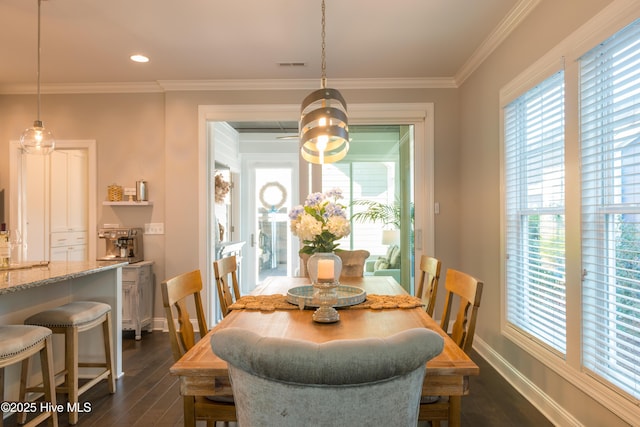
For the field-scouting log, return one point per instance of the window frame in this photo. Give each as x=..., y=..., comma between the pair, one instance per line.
x=610, y=173
x=516, y=229
x=566, y=54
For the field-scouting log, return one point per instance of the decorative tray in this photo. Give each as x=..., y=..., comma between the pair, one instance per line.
x=347, y=295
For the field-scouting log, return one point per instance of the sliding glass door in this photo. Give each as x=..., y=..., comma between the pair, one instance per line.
x=376, y=178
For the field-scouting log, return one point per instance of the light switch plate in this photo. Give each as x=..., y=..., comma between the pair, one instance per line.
x=154, y=228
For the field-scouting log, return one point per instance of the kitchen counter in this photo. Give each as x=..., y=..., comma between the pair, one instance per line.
x=27, y=290
x=31, y=275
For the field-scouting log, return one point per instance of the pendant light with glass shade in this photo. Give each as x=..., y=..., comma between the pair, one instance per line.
x=324, y=127
x=37, y=139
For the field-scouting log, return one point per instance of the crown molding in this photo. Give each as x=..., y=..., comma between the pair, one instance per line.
x=514, y=18
x=228, y=85
x=306, y=84
x=81, y=88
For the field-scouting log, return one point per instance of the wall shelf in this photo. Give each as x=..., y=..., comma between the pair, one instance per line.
x=105, y=203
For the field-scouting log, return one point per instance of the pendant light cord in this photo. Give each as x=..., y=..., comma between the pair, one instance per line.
x=38, y=65
x=324, y=61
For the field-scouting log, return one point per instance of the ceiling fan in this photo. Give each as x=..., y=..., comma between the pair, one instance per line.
x=289, y=137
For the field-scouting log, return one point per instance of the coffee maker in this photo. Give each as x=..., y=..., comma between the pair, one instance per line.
x=122, y=244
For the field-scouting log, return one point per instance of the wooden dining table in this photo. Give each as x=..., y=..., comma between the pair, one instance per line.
x=202, y=373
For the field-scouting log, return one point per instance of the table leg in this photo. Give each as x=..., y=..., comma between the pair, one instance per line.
x=455, y=407
x=189, y=411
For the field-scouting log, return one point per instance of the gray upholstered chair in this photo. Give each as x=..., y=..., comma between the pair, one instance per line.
x=286, y=382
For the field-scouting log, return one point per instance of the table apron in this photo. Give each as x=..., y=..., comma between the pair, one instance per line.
x=445, y=385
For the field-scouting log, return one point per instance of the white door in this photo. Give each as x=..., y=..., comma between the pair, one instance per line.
x=271, y=192
x=35, y=209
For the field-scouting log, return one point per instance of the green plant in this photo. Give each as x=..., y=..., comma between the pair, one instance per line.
x=386, y=213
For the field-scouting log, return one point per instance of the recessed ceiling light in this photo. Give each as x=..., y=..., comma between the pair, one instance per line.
x=139, y=58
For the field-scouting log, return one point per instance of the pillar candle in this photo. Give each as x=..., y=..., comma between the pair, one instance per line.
x=325, y=269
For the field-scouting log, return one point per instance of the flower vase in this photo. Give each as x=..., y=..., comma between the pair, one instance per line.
x=324, y=271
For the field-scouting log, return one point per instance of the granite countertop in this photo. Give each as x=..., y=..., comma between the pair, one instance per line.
x=23, y=277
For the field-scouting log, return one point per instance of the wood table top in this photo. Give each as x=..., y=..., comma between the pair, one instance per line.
x=354, y=323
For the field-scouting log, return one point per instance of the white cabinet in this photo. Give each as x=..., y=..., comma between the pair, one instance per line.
x=138, y=286
x=69, y=246
x=56, y=206
x=68, y=190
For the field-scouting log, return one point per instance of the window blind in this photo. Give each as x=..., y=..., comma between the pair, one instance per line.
x=535, y=227
x=610, y=138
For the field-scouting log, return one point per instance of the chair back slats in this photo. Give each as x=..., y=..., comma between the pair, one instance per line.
x=185, y=331
x=225, y=271
x=427, y=289
x=175, y=297
x=468, y=291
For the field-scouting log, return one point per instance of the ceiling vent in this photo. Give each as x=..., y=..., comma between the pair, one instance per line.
x=291, y=64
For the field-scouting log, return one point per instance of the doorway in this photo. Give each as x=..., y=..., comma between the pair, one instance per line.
x=271, y=240
x=54, y=197
x=418, y=116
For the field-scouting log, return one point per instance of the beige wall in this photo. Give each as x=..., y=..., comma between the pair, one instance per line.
x=155, y=137
x=479, y=163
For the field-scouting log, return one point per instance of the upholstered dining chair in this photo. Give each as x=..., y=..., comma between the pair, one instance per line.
x=226, y=273
x=468, y=291
x=352, y=262
x=353, y=382
x=427, y=288
x=177, y=294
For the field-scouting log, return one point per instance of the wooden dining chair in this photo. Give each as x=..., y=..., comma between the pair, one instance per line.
x=178, y=293
x=468, y=291
x=226, y=273
x=427, y=288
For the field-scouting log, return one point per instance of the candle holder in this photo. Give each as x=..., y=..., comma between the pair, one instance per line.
x=324, y=271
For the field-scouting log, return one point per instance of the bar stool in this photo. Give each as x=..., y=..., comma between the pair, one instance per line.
x=70, y=319
x=17, y=344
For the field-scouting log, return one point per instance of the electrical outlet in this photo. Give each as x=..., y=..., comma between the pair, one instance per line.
x=154, y=228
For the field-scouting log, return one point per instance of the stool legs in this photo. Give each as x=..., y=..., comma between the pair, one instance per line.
x=71, y=366
x=48, y=381
x=46, y=361
x=71, y=385
x=108, y=346
x=70, y=320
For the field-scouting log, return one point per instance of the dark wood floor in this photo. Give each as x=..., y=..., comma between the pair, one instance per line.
x=147, y=395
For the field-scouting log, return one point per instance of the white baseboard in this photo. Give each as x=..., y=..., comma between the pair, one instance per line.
x=160, y=324
x=536, y=396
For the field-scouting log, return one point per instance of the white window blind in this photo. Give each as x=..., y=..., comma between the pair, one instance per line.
x=534, y=195
x=610, y=138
